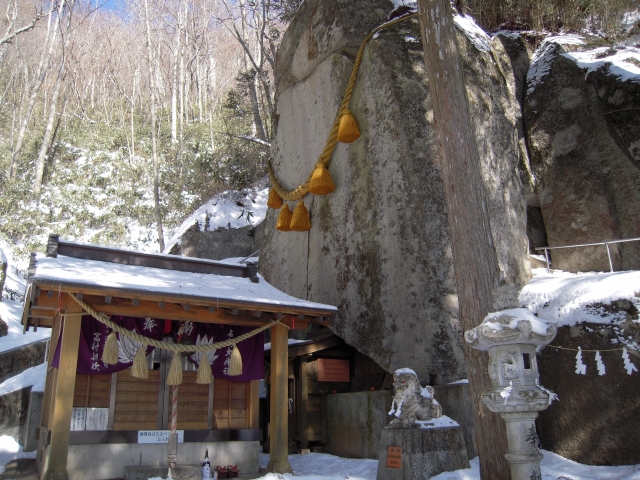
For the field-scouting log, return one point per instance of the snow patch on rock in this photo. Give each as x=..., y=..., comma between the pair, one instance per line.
x=474, y=33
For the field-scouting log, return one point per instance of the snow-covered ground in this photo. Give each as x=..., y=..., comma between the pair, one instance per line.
x=319, y=466
x=11, y=310
x=11, y=450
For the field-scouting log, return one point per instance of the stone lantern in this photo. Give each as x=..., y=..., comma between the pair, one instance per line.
x=511, y=338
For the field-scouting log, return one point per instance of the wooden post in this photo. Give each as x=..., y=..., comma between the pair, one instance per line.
x=279, y=402
x=63, y=401
x=474, y=257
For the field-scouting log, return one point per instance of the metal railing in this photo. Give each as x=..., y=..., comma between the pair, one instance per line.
x=606, y=244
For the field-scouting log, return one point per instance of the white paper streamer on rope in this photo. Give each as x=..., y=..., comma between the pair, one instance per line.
x=506, y=392
x=581, y=368
x=552, y=396
x=628, y=365
x=599, y=364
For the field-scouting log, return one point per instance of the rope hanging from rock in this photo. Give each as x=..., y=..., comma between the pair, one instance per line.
x=139, y=368
x=345, y=129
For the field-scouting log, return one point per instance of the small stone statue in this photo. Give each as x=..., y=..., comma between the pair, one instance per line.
x=411, y=402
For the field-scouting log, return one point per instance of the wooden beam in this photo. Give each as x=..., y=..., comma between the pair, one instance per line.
x=172, y=311
x=278, y=458
x=203, y=300
x=254, y=404
x=63, y=400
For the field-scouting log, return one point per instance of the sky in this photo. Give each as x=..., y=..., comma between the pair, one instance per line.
x=113, y=5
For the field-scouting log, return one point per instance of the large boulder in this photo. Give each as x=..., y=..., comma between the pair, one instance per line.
x=379, y=246
x=596, y=420
x=583, y=138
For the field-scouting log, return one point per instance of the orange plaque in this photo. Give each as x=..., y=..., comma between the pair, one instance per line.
x=333, y=370
x=394, y=457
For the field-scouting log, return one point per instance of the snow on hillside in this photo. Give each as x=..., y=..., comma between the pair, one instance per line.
x=622, y=62
x=11, y=310
x=572, y=298
x=230, y=209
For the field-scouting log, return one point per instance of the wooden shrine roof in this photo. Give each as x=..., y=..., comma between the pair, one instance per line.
x=123, y=282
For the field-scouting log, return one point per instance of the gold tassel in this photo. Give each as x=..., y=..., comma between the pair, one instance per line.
x=175, y=370
x=321, y=182
x=110, y=352
x=275, y=200
x=139, y=368
x=284, y=219
x=204, y=371
x=348, y=131
x=300, y=221
x=235, y=363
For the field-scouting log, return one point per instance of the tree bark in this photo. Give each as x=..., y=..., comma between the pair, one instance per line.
x=48, y=132
x=474, y=257
x=154, y=149
x=40, y=75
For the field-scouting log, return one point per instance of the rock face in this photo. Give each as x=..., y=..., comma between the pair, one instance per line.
x=584, y=143
x=218, y=244
x=595, y=422
x=379, y=247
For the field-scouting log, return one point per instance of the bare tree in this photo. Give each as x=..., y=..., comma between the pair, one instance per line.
x=40, y=75
x=151, y=64
x=11, y=15
x=46, y=140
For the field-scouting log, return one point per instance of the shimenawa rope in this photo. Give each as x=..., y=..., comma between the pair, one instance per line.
x=325, y=156
x=177, y=348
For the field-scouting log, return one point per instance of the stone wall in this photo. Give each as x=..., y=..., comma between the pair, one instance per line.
x=14, y=408
x=16, y=360
x=355, y=420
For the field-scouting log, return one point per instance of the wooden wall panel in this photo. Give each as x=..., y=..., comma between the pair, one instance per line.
x=92, y=391
x=136, y=401
x=231, y=403
x=193, y=403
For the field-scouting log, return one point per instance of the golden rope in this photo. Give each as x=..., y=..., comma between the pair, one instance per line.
x=327, y=153
x=101, y=317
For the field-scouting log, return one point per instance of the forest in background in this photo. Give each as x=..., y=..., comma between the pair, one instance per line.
x=115, y=126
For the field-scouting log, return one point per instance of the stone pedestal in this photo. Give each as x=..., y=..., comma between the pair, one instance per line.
x=425, y=452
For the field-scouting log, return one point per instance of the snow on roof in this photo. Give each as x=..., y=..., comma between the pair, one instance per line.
x=624, y=63
x=230, y=209
x=474, y=33
x=93, y=273
x=572, y=298
x=515, y=314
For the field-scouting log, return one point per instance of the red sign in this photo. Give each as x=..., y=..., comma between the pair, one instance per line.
x=394, y=457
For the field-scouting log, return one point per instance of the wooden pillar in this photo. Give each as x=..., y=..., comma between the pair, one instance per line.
x=60, y=423
x=279, y=402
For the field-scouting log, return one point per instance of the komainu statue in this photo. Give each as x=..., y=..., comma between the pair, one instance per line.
x=411, y=402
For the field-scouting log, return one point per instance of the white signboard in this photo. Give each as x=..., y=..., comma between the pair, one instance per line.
x=78, y=419
x=97, y=418
x=158, y=436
